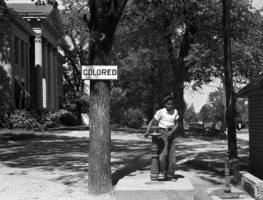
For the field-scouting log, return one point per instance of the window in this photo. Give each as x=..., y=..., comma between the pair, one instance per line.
x=16, y=50
x=19, y=94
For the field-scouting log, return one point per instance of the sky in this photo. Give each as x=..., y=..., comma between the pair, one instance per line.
x=199, y=98
x=257, y=3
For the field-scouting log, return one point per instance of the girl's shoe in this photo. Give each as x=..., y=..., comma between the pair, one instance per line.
x=161, y=176
x=171, y=178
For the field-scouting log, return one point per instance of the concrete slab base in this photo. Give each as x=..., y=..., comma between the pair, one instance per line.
x=140, y=187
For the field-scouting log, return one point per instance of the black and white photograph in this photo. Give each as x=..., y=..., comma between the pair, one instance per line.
x=131, y=99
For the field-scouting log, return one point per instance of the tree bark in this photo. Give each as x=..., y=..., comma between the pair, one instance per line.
x=99, y=174
x=176, y=86
x=178, y=70
x=156, y=82
x=179, y=91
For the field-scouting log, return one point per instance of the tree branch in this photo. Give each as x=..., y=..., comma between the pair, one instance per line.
x=113, y=5
x=122, y=4
x=68, y=79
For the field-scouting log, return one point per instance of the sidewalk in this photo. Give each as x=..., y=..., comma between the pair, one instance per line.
x=208, y=155
x=243, y=135
x=55, y=166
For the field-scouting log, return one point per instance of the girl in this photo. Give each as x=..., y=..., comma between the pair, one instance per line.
x=167, y=124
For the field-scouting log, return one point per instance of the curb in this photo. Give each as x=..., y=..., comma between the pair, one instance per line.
x=252, y=185
x=71, y=128
x=209, y=165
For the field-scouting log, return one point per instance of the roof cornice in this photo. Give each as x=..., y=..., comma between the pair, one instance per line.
x=19, y=21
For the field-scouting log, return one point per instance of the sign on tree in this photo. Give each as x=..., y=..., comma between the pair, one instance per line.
x=99, y=72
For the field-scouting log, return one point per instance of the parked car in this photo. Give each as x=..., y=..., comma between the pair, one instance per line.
x=197, y=127
x=209, y=131
x=212, y=130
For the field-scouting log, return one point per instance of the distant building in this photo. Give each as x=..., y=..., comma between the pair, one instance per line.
x=30, y=63
x=254, y=92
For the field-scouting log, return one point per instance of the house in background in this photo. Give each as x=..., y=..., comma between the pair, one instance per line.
x=30, y=63
x=254, y=92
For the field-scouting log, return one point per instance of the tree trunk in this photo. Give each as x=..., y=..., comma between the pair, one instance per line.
x=99, y=145
x=178, y=68
x=180, y=107
x=102, y=22
x=157, y=88
x=177, y=84
x=99, y=174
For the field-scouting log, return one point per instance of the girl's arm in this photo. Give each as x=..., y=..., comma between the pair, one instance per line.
x=174, y=128
x=149, y=127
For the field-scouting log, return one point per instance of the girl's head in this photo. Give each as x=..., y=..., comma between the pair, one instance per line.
x=168, y=103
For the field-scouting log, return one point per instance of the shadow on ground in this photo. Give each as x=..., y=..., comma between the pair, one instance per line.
x=50, y=157
x=134, y=156
x=48, y=152
x=69, y=155
x=202, y=152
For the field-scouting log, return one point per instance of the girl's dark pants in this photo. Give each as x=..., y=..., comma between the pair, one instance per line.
x=166, y=152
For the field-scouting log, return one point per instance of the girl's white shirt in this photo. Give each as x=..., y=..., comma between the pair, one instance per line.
x=165, y=119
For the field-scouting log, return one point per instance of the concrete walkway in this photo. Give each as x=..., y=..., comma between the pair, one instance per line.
x=243, y=135
x=55, y=165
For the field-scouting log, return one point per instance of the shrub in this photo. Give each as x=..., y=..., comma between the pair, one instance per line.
x=48, y=119
x=4, y=114
x=114, y=127
x=3, y=117
x=133, y=118
x=67, y=118
x=21, y=119
x=61, y=113
x=37, y=120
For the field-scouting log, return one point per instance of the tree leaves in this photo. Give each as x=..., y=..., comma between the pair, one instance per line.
x=141, y=50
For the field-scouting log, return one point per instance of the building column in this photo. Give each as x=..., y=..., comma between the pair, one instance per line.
x=51, y=76
x=55, y=78
x=39, y=71
x=46, y=75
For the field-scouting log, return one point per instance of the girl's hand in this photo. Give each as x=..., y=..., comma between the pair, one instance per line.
x=146, y=135
x=170, y=133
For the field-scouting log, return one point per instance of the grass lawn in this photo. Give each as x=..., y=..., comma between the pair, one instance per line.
x=18, y=134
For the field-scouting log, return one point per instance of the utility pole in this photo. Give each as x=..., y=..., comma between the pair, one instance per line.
x=229, y=93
